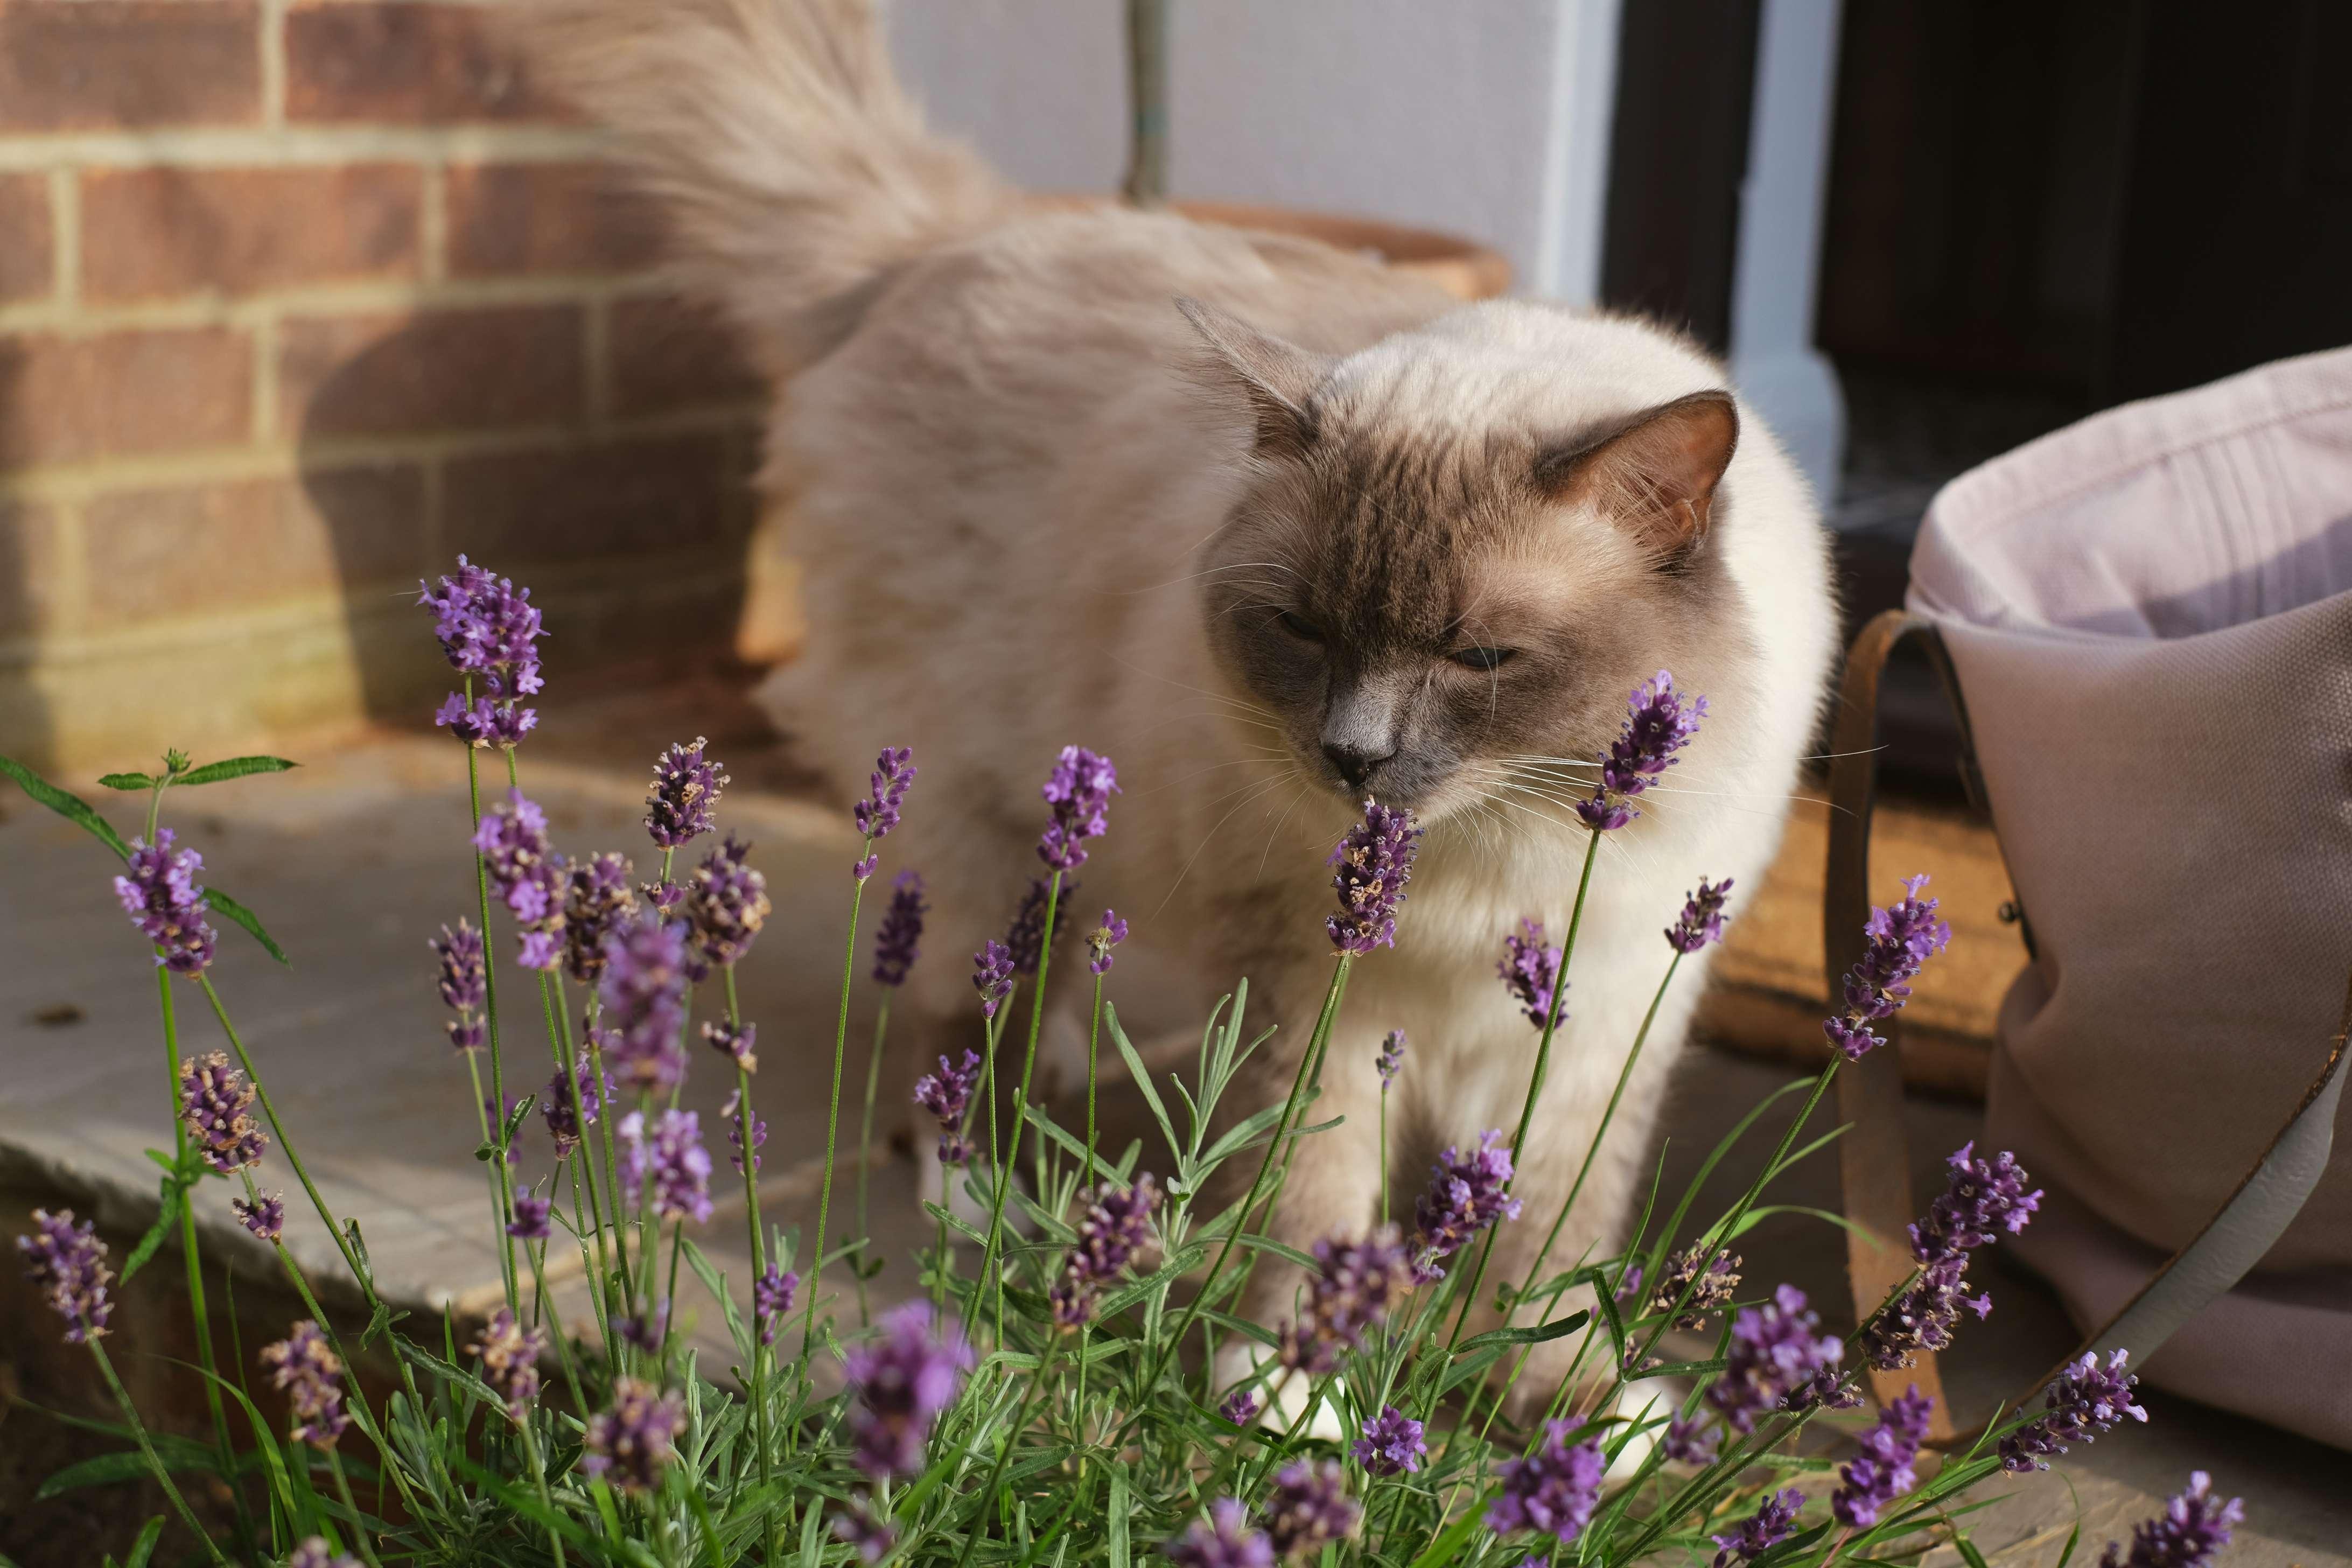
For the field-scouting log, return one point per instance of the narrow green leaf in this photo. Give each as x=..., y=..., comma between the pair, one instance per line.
x=1267, y=1244
x=1115, y=1547
x=1143, y=1076
x=1448, y=1545
x=66, y=804
x=1975, y=1558
x=144, y=1547
x=130, y=784
x=1532, y=1335
x=228, y=909
x=105, y=1469
x=2074, y=1539
x=233, y=768
x=166, y=1216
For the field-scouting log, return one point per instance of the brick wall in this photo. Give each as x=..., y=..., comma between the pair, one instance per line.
x=297, y=300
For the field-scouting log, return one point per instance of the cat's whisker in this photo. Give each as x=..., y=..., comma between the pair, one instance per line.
x=1275, y=831
x=1259, y=788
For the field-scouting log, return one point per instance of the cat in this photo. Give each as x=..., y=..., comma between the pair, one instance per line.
x=1277, y=528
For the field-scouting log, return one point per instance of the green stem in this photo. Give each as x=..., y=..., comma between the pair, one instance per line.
x=546, y=1502
x=585, y=1159
x=1094, y=1041
x=759, y=1263
x=493, y=1169
x=1384, y=1153
x=865, y=1148
x=1011, y=1160
x=490, y=990
x=546, y=1304
x=130, y=1415
x=833, y=1109
x=611, y=1171
x=343, y=1491
x=198, y=1305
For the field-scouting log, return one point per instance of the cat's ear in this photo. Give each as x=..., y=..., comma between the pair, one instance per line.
x=1655, y=474
x=1278, y=378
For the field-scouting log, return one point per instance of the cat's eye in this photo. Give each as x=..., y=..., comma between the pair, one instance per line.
x=1483, y=657
x=1299, y=626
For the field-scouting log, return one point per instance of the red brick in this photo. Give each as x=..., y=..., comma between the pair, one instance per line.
x=669, y=353
x=68, y=397
x=673, y=497
x=445, y=370
x=25, y=237
x=507, y=218
x=96, y=65
x=153, y=232
x=28, y=569
x=406, y=63
x=155, y=554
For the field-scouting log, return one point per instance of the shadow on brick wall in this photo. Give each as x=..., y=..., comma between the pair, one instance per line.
x=28, y=544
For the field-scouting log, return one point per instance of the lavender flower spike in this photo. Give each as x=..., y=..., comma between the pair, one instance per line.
x=1391, y=1442
x=903, y=1381
x=2193, y=1527
x=1710, y=1280
x=1114, y=1227
x=530, y=877
x=531, y=1214
x=1774, y=1520
x=464, y=984
x=727, y=903
x=877, y=814
x=309, y=1375
x=1702, y=918
x=1983, y=1199
x=1660, y=725
x=736, y=1042
x=1902, y=938
x=1308, y=1508
x=510, y=1355
x=1466, y=1193
x=1553, y=1490
x=1776, y=1356
x=1354, y=1285
x=687, y=784
x=264, y=1216
x=563, y=1125
x=1882, y=1471
x=1922, y=1317
x=731, y=1113
x=487, y=628
x=1079, y=789
x=2084, y=1401
x=772, y=1299
x=598, y=901
x=643, y=998
x=66, y=1262
x=1240, y=1407
x=160, y=894
x=946, y=1095
x=992, y=976
x=1102, y=939
x=1390, y=1061
x=314, y=1553
x=1375, y=861
x=1025, y=939
x=1688, y=1442
x=214, y=1100
x=632, y=1441
x=898, y=942
x=674, y=1157
x=1530, y=971
x=864, y=1528
x=1222, y=1540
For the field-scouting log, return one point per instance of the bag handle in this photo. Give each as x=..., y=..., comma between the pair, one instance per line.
x=1874, y=1158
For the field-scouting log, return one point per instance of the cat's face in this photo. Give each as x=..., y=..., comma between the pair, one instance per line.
x=1444, y=615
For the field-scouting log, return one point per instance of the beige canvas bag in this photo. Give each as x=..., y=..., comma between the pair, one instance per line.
x=2146, y=620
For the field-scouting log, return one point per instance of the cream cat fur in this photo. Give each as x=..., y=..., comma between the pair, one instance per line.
x=1020, y=477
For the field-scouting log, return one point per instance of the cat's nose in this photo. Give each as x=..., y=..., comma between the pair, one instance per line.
x=1355, y=763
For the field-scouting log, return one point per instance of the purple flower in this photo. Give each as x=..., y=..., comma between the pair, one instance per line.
x=1354, y=1285
x=1629, y=1282
x=1902, y=939
x=877, y=814
x=1531, y=971
x=1391, y=1060
x=1391, y=1442
x=1117, y=1224
x=871, y=1534
x=464, y=984
x=898, y=942
x=1222, y=1540
x=67, y=1263
x=648, y=1330
x=643, y=998
x=1702, y=918
x=1690, y=1442
x=1984, y=1198
x=1466, y=1193
x=308, y=1372
x=1079, y=789
x=1774, y=1520
x=530, y=877
x=946, y=1095
x=1240, y=1407
x=159, y=892
x=733, y=1041
x=903, y=1381
x=485, y=722
x=1309, y=1507
x=487, y=628
x=726, y=903
x=314, y=1553
x=1776, y=1355
x=1882, y=1471
x=265, y=1217
x=510, y=1355
x=1553, y=1490
x=687, y=784
x=676, y=1159
x=2192, y=1528
x=1102, y=939
x=992, y=976
x=565, y=1122
x=1659, y=726
x=1024, y=939
x=732, y=1111
x=1922, y=1317
x=530, y=1215
x=2084, y=1401
x=1375, y=861
x=597, y=900
x=214, y=1100
x=1711, y=1282
x=632, y=1442
x=772, y=1299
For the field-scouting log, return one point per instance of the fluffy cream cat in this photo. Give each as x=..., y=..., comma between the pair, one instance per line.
x=1275, y=528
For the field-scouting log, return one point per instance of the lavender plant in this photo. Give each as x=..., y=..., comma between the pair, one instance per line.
x=1043, y=1396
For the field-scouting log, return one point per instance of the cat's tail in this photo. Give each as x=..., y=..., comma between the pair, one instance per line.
x=796, y=175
